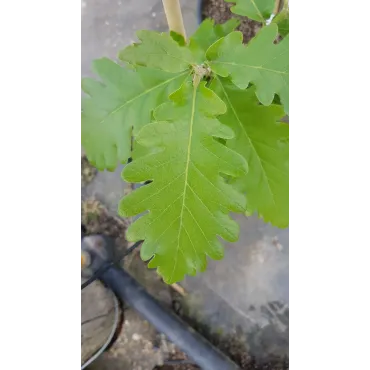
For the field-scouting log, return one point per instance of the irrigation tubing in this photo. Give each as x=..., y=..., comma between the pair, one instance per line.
x=106, y=266
x=128, y=290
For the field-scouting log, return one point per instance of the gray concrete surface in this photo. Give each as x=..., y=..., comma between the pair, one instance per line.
x=246, y=294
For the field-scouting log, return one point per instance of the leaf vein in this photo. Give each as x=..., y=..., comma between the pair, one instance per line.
x=141, y=95
x=249, y=66
x=249, y=139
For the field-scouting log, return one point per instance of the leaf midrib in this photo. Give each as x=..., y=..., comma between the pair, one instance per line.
x=173, y=56
x=249, y=139
x=141, y=95
x=186, y=176
x=249, y=66
x=258, y=11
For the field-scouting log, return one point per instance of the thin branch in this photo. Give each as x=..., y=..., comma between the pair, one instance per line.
x=277, y=6
x=179, y=289
x=175, y=22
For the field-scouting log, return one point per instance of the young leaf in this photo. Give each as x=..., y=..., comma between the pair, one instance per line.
x=208, y=33
x=159, y=51
x=178, y=38
x=258, y=10
x=261, y=62
x=282, y=20
x=225, y=28
x=188, y=201
x=263, y=142
x=124, y=99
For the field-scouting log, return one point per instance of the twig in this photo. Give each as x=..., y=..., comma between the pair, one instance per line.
x=179, y=289
x=277, y=6
x=175, y=22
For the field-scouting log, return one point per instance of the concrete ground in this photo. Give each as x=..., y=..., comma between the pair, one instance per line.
x=245, y=296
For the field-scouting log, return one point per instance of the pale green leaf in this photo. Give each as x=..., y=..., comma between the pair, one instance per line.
x=159, y=51
x=264, y=142
x=225, y=28
x=123, y=100
x=188, y=200
x=208, y=33
x=261, y=62
x=258, y=10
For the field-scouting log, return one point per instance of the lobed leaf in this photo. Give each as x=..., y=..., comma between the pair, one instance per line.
x=159, y=51
x=261, y=62
x=263, y=142
x=258, y=10
x=121, y=102
x=208, y=33
x=188, y=200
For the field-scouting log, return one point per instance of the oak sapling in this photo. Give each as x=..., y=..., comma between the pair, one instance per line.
x=201, y=120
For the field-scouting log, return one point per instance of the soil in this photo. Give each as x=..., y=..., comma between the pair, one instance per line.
x=88, y=172
x=174, y=362
x=219, y=10
x=96, y=219
x=135, y=348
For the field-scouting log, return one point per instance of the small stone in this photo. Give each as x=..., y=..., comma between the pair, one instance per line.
x=275, y=242
x=136, y=337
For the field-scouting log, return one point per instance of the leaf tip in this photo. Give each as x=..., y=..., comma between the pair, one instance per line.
x=145, y=255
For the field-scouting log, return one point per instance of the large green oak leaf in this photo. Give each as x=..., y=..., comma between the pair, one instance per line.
x=187, y=204
x=263, y=141
x=121, y=102
x=260, y=62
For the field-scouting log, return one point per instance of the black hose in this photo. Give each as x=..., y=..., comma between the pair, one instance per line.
x=187, y=339
x=83, y=231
